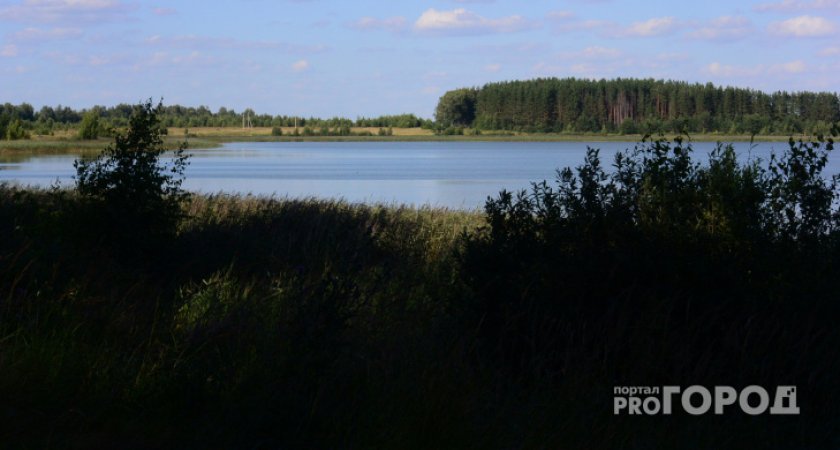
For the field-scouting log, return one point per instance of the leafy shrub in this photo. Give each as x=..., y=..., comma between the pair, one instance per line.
x=89, y=128
x=660, y=234
x=15, y=131
x=276, y=131
x=129, y=182
x=451, y=131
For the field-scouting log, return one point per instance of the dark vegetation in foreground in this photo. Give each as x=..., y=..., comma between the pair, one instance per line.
x=256, y=323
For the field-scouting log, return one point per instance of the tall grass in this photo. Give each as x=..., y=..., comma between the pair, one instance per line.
x=276, y=319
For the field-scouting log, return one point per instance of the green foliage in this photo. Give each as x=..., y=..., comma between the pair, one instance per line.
x=276, y=131
x=398, y=121
x=15, y=131
x=44, y=128
x=118, y=116
x=659, y=232
x=211, y=302
x=628, y=126
x=457, y=108
x=451, y=131
x=89, y=128
x=130, y=180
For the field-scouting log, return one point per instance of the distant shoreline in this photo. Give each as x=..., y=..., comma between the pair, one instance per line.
x=207, y=138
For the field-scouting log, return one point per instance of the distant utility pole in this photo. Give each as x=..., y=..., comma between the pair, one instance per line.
x=246, y=120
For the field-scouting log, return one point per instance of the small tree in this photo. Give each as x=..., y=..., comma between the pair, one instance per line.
x=89, y=128
x=457, y=108
x=136, y=189
x=16, y=131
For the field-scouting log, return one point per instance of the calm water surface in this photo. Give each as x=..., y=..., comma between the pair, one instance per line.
x=452, y=174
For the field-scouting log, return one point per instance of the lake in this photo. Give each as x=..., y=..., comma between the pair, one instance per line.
x=451, y=174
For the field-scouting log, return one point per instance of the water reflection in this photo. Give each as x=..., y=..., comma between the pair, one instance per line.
x=452, y=174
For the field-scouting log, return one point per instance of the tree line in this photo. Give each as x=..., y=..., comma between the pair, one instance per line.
x=630, y=106
x=18, y=121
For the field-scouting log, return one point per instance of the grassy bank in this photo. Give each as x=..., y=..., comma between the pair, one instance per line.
x=422, y=135
x=59, y=145
x=277, y=320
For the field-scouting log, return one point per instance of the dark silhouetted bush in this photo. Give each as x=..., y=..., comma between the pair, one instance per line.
x=135, y=190
x=666, y=270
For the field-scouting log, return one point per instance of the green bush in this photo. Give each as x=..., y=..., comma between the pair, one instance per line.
x=655, y=269
x=130, y=182
x=451, y=131
x=15, y=131
x=89, y=128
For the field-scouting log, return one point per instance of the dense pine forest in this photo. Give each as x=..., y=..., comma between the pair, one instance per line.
x=630, y=106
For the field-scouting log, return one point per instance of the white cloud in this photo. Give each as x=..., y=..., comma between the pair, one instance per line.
x=17, y=70
x=41, y=35
x=672, y=57
x=392, y=24
x=830, y=51
x=591, y=53
x=724, y=70
x=803, y=26
x=798, y=6
x=207, y=43
x=652, y=27
x=563, y=26
x=9, y=50
x=560, y=15
x=300, y=66
x=760, y=71
x=463, y=21
x=99, y=60
x=193, y=59
x=599, y=52
x=582, y=69
x=71, y=11
x=164, y=11
x=790, y=67
x=724, y=28
x=492, y=68
x=435, y=75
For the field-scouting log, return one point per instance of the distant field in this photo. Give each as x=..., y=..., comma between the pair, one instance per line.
x=266, y=131
x=232, y=132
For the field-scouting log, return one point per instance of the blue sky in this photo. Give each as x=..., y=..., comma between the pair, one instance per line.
x=366, y=58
